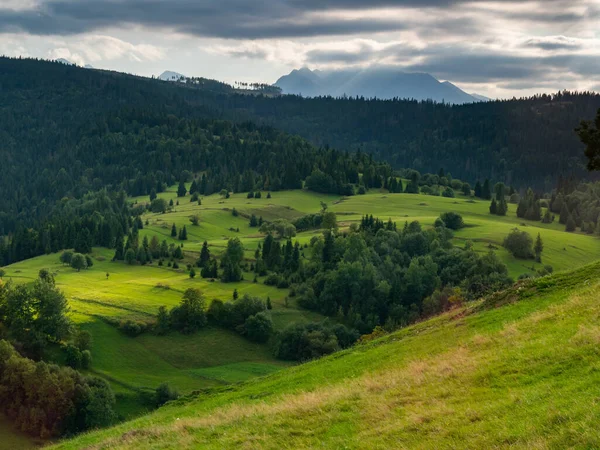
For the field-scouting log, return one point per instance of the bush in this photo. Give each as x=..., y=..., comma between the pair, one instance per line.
x=158, y=205
x=301, y=342
x=83, y=340
x=258, y=328
x=189, y=316
x=520, y=244
x=73, y=356
x=132, y=328
x=272, y=279
x=165, y=393
x=86, y=359
x=452, y=220
x=448, y=192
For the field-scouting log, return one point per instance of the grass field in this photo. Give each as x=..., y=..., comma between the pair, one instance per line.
x=215, y=357
x=516, y=370
x=562, y=250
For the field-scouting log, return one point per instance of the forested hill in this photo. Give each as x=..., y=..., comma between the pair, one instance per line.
x=522, y=142
x=67, y=131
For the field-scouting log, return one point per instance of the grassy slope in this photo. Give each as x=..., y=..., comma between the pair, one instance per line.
x=214, y=357
x=520, y=369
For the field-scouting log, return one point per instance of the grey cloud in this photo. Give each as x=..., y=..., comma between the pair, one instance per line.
x=553, y=43
x=224, y=19
x=236, y=19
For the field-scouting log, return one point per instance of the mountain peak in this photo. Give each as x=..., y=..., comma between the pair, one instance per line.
x=168, y=75
x=383, y=82
x=64, y=61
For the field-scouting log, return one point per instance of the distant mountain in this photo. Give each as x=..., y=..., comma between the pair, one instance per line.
x=167, y=75
x=379, y=82
x=88, y=66
x=64, y=61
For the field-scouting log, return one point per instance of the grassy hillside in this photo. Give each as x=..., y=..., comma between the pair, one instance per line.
x=518, y=369
x=216, y=357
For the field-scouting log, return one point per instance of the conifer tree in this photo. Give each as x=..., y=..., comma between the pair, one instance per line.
x=181, y=190
x=538, y=248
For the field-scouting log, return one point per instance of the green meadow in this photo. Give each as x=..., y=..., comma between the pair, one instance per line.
x=518, y=369
x=216, y=357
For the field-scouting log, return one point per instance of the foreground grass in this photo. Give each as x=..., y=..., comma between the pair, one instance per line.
x=519, y=369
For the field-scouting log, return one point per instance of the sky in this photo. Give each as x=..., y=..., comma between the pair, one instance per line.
x=500, y=48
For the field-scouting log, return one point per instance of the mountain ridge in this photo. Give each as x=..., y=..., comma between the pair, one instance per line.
x=374, y=82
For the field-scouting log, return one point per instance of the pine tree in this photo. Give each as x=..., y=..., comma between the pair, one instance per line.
x=502, y=207
x=477, y=189
x=181, y=190
x=571, y=225
x=493, y=207
x=193, y=187
x=522, y=208
x=547, y=217
x=183, y=234
x=119, y=252
x=204, y=255
x=486, y=192
x=173, y=231
x=538, y=248
x=564, y=214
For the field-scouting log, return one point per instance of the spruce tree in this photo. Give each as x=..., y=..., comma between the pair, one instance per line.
x=173, y=231
x=181, y=190
x=183, y=234
x=502, y=207
x=193, y=187
x=493, y=207
x=538, y=248
x=571, y=225
x=204, y=255
x=486, y=191
x=564, y=214
x=119, y=252
x=477, y=189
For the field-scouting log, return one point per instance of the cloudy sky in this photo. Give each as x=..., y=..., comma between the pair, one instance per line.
x=497, y=48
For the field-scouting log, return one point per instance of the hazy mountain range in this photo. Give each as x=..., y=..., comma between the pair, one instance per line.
x=381, y=82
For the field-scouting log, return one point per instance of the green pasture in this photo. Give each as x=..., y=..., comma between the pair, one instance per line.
x=517, y=370
x=214, y=357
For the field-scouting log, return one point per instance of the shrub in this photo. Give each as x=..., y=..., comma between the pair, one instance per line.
x=519, y=243
x=258, y=327
x=73, y=356
x=158, y=205
x=86, y=359
x=132, y=328
x=272, y=279
x=83, y=340
x=452, y=220
x=165, y=393
x=302, y=342
x=448, y=192
x=189, y=316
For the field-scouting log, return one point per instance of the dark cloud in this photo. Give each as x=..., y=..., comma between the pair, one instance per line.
x=461, y=64
x=553, y=43
x=225, y=19
x=236, y=19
